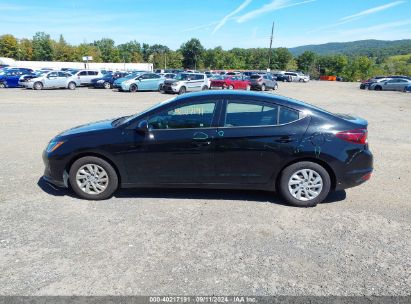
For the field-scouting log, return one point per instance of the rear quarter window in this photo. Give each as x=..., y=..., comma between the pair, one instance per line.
x=287, y=115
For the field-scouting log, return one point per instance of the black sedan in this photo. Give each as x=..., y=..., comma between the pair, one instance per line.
x=106, y=82
x=221, y=139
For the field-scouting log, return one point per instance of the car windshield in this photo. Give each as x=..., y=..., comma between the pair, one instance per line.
x=182, y=77
x=255, y=76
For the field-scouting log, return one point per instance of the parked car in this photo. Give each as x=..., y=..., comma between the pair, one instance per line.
x=186, y=82
x=54, y=80
x=142, y=82
x=86, y=76
x=231, y=83
x=9, y=78
x=107, y=80
x=298, y=77
x=283, y=77
x=263, y=82
x=393, y=84
x=366, y=83
x=217, y=139
x=23, y=80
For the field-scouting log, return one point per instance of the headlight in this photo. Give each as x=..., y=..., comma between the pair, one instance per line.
x=53, y=146
x=100, y=81
x=174, y=84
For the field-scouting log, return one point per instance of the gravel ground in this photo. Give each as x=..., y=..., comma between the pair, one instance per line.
x=190, y=242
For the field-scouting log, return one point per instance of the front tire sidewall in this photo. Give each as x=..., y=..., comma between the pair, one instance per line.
x=290, y=170
x=182, y=90
x=107, y=85
x=72, y=86
x=38, y=86
x=133, y=88
x=112, y=177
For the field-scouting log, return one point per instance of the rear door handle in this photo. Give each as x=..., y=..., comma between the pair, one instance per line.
x=284, y=139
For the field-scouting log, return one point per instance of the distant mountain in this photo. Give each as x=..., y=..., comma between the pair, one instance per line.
x=373, y=48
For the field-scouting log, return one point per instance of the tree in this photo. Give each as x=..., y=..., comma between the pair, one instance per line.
x=130, y=52
x=306, y=61
x=63, y=51
x=192, y=52
x=8, y=46
x=42, y=47
x=107, y=50
x=282, y=58
x=25, y=49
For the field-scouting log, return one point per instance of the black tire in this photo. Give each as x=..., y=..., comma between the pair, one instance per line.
x=133, y=88
x=182, y=90
x=38, y=86
x=2, y=85
x=205, y=88
x=107, y=85
x=263, y=88
x=378, y=88
x=231, y=87
x=160, y=88
x=112, y=178
x=72, y=85
x=288, y=173
x=276, y=87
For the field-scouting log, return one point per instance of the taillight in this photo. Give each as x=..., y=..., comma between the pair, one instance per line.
x=357, y=136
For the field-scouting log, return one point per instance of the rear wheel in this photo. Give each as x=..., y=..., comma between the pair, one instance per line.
x=304, y=184
x=205, y=88
x=107, y=85
x=133, y=88
x=378, y=88
x=38, y=86
x=93, y=178
x=182, y=90
x=231, y=87
x=72, y=86
x=263, y=88
x=2, y=85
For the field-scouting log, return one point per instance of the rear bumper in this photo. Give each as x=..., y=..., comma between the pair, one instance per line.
x=358, y=170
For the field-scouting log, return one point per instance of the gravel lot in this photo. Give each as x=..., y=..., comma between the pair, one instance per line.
x=191, y=242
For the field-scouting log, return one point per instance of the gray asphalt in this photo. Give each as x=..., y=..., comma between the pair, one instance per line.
x=190, y=242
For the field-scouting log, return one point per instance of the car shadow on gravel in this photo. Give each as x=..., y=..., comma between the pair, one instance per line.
x=200, y=194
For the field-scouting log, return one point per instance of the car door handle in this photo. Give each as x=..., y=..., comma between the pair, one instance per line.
x=284, y=139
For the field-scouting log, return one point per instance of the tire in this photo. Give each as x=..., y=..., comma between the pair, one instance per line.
x=38, y=86
x=275, y=87
x=231, y=87
x=378, y=88
x=133, y=88
x=79, y=173
x=107, y=85
x=263, y=88
x=301, y=80
x=72, y=86
x=204, y=88
x=182, y=90
x=248, y=88
x=160, y=88
x=292, y=178
x=2, y=85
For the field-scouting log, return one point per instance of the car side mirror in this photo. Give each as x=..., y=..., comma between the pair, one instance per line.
x=385, y=82
x=142, y=126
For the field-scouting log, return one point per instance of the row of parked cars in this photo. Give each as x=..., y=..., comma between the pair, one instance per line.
x=387, y=83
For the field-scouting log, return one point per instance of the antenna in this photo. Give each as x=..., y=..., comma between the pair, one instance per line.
x=271, y=44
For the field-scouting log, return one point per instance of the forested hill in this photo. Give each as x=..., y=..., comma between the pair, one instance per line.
x=373, y=48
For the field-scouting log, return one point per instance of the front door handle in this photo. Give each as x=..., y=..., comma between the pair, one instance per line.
x=284, y=139
x=200, y=136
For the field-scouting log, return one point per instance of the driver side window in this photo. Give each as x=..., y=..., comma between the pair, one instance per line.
x=189, y=116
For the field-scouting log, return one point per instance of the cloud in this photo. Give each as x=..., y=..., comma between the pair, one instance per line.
x=371, y=11
x=269, y=7
x=378, y=29
x=230, y=15
x=199, y=27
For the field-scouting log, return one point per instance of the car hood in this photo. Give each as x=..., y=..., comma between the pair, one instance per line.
x=170, y=81
x=120, y=80
x=90, y=127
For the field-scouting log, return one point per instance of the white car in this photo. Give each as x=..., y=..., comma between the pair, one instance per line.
x=85, y=76
x=186, y=82
x=298, y=77
x=53, y=80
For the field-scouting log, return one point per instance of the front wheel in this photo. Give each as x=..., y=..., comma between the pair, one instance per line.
x=263, y=88
x=182, y=90
x=93, y=178
x=107, y=85
x=38, y=86
x=2, y=85
x=276, y=87
x=205, y=88
x=231, y=87
x=304, y=184
x=133, y=88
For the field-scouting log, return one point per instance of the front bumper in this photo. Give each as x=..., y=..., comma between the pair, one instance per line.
x=169, y=88
x=54, y=171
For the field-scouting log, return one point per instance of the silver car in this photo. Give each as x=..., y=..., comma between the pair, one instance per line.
x=393, y=84
x=53, y=80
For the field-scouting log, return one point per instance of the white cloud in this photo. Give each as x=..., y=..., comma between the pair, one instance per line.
x=377, y=29
x=233, y=13
x=371, y=11
x=269, y=7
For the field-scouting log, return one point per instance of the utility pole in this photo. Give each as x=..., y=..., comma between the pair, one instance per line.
x=271, y=44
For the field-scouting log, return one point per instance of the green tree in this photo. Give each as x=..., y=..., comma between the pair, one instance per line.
x=62, y=50
x=8, y=46
x=42, y=47
x=193, y=53
x=130, y=52
x=107, y=50
x=25, y=49
x=306, y=61
x=282, y=58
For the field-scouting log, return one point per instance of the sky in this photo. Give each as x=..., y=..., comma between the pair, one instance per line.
x=226, y=23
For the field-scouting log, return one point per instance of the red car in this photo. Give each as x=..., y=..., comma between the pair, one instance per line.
x=231, y=83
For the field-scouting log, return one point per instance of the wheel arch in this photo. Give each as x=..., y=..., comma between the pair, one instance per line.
x=95, y=154
x=318, y=161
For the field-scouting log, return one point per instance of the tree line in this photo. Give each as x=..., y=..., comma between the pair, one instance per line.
x=193, y=55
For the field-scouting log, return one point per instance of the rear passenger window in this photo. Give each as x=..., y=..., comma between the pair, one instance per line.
x=287, y=115
x=84, y=73
x=250, y=114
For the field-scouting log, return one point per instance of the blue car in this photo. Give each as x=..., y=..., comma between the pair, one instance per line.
x=9, y=78
x=142, y=82
x=107, y=80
